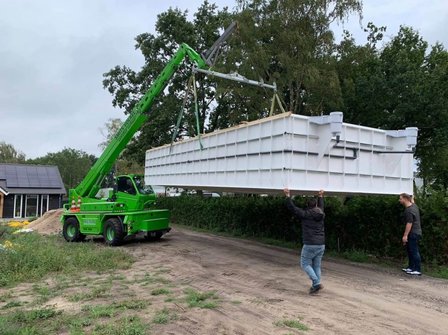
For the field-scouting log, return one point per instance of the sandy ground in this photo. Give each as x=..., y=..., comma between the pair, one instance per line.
x=261, y=285
x=48, y=223
x=269, y=286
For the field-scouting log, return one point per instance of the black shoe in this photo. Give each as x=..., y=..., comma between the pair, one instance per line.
x=315, y=289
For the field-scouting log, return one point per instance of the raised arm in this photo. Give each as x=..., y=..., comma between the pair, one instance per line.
x=299, y=212
x=320, y=199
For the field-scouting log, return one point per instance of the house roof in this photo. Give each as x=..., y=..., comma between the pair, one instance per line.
x=3, y=187
x=30, y=179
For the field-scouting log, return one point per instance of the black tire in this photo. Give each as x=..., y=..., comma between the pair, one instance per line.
x=113, y=232
x=71, y=231
x=153, y=235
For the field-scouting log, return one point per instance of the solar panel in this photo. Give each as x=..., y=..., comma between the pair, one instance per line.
x=29, y=176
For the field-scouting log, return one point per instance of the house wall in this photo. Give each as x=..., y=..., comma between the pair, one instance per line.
x=1, y=204
x=55, y=201
x=8, y=205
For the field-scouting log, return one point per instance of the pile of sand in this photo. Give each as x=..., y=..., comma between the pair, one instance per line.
x=49, y=223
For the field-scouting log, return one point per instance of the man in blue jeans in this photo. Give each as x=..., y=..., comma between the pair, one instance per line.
x=313, y=236
x=412, y=234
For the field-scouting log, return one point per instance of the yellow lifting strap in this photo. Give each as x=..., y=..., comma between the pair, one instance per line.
x=280, y=105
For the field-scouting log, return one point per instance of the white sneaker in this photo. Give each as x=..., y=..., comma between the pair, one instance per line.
x=414, y=273
x=406, y=270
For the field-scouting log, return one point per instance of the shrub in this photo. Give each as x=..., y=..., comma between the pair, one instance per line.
x=369, y=224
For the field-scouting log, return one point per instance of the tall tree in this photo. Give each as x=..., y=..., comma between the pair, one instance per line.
x=9, y=154
x=73, y=164
x=398, y=86
x=289, y=42
x=122, y=165
x=433, y=120
x=127, y=86
x=111, y=127
x=361, y=77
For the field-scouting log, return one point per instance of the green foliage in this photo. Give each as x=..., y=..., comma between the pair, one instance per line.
x=95, y=293
x=241, y=216
x=151, y=279
x=73, y=164
x=367, y=223
x=8, y=154
x=159, y=291
x=100, y=311
x=434, y=216
x=200, y=299
x=111, y=128
x=131, y=304
x=402, y=85
x=125, y=326
x=438, y=271
x=12, y=304
x=50, y=321
x=34, y=256
x=5, y=296
x=357, y=226
x=296, y=324
x=164, y=316
x=289, y=42
x=127, y=86
x=27, y=322
x=356, y=256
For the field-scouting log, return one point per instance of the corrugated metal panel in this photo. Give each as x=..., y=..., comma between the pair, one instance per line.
x=298, y=152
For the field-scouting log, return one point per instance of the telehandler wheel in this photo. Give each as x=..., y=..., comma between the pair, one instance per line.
x=113, y=232
x=71, y=231
x=153, y=236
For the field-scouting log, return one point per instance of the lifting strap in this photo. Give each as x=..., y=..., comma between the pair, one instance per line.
x=191, y=83
x=275, y=97
x=196, y=111
x=179, y=118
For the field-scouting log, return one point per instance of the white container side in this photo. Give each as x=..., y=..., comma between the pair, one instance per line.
x=298, y=152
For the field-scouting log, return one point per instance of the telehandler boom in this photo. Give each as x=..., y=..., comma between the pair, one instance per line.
x=128, y=209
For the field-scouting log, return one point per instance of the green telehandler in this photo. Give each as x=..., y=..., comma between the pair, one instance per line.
x=129, y=208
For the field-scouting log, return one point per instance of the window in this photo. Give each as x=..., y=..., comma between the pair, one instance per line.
x=44, y=204
x=18, y=201
x=124, y=184
x=31, y=205
x=141, y=187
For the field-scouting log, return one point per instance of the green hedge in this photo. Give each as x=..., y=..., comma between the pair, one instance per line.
x=372, y=224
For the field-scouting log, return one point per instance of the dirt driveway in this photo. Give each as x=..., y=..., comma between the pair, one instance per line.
x=262, y=285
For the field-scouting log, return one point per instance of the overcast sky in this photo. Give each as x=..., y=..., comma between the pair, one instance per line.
x=53, y=54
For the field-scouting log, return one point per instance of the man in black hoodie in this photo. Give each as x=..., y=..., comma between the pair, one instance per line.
x=313, y=236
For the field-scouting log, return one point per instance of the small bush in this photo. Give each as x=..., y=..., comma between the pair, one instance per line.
x=368, y=224
x=164, y=316
x=291, y=324
x=356, y=256
x=200, y=299
x=159, y=291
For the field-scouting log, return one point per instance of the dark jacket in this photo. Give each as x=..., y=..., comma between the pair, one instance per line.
x=313, y=230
